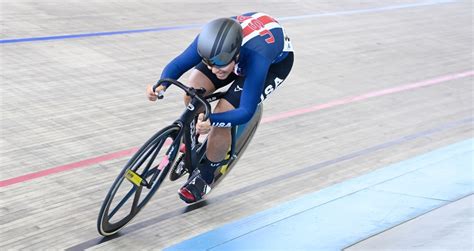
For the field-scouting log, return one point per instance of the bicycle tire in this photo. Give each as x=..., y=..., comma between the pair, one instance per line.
x=148, y=153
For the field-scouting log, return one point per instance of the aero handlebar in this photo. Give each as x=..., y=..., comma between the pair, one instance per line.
x=190, y=91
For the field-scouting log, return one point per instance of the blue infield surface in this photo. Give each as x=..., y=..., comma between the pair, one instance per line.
x=345, y=213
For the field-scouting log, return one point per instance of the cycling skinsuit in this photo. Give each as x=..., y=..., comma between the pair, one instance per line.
x=265, y=60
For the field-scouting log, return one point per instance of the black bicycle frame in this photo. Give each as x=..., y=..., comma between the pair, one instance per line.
x=187, y=123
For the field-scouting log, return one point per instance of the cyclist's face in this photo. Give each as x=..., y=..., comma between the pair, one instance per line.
x=222, y=72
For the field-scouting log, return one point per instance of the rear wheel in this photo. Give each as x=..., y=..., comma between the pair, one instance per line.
x=138, y=181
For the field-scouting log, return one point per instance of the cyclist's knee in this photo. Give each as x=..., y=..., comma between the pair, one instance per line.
x=186, y=99
x=223, y=106
x=198, y=80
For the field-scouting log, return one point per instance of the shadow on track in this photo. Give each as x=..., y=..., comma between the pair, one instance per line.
x=253, y=187
x=140, y=225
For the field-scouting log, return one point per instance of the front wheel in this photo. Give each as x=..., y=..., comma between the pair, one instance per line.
x=138, y=181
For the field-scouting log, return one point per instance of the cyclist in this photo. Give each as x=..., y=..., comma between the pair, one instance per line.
x=252, y=52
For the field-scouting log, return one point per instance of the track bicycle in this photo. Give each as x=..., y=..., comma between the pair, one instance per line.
x=176, y=149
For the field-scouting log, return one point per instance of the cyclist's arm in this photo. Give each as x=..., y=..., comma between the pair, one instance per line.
x=182, y=63
x=255, y=79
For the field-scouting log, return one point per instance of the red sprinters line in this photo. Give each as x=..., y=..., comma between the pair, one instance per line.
x=348, y=100
x=124, y=153
x=58, y=169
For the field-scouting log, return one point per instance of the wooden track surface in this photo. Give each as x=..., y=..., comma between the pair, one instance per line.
x=70, y=101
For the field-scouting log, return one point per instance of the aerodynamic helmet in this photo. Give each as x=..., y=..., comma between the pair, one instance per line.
x=219, y=42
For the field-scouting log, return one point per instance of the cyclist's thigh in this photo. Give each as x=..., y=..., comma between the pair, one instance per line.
x=198, y=80
x=276, y=75
x=223, y=106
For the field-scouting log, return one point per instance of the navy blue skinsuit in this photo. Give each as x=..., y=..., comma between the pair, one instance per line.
x=264, y=43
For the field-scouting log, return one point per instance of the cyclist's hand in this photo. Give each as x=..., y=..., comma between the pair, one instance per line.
x=203, y=127
x=152, y=96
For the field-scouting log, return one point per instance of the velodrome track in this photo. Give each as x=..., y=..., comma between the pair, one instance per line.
x=374, y=83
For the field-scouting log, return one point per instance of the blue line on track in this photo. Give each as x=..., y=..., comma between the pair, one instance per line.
x=370, y=10
x=193, y=26
x=98, y=34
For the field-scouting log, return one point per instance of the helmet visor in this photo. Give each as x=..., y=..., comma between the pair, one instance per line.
x=221, y=60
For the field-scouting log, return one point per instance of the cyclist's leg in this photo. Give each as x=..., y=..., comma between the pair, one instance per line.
x=197, y=80
x=198, y=183
x=220, y=137
x=202, y=77
x=218, y=143
x=202, y=74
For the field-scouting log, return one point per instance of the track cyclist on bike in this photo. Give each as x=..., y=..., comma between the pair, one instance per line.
x=252, y=52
